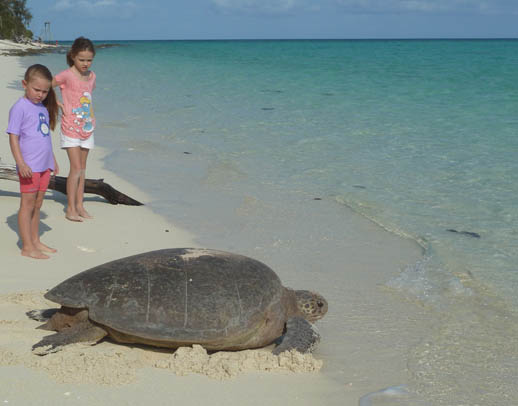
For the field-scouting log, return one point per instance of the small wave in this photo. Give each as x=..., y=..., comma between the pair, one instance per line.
x=362, y=210
x=428, y=280
x=392, y=392
x=429, y=283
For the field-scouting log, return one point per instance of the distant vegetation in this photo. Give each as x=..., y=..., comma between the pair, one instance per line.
x=14, y=20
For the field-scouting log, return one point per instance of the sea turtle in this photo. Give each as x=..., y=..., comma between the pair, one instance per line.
x=179, y=297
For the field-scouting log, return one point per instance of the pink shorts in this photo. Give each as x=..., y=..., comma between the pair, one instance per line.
x=38, y=183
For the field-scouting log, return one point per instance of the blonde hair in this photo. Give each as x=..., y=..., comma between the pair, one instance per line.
x=50, y=101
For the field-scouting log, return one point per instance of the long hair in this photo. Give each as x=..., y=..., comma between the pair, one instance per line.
x=80, y=44
x=50, y=101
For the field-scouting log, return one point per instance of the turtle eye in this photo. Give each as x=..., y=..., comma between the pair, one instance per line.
x=320, y=304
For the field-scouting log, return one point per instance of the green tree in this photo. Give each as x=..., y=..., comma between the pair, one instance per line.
x=14, y=19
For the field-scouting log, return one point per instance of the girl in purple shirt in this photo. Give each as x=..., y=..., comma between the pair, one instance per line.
x=30, y=120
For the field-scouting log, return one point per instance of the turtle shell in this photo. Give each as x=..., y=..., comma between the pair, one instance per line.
x=184, y=295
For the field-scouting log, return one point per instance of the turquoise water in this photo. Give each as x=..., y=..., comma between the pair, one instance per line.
x=418, y=136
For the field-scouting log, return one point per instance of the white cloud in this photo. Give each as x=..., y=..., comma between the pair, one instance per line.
x=430, y=6
x=262, y=6
x=368, y=6
x=93, y=7
x=62, y=5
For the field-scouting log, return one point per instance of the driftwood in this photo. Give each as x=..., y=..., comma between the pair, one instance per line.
x=59, y=184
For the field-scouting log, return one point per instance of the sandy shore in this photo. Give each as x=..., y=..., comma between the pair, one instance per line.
x=364, y=340
x=7, y=45
x=19, y=49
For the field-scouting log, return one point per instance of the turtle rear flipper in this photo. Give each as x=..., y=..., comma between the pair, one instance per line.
x=84, y=332
x=41, y=314
x=300, y=335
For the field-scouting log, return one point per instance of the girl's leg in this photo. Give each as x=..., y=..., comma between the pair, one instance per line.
x=25, y=216
x=35, y=225
x=81, y=186
x=74, y=156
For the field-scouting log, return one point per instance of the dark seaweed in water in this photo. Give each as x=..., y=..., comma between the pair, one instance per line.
x=468, y=233
x=101, y=46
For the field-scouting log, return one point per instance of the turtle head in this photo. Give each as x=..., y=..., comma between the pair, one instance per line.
x=312, y=305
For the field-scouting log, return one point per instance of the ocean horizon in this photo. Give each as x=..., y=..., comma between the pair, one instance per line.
x=100, y=41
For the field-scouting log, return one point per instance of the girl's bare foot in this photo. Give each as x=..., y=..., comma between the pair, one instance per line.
x=36, y=254
x=83, y=213
x=73, y=216
x=45, y=248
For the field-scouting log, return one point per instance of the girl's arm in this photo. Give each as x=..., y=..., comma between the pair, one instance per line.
x=24, y=169
x=60, y=104
x=56, y=166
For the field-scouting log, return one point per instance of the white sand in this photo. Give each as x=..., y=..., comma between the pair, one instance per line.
x=6, y=45
x=365, y=335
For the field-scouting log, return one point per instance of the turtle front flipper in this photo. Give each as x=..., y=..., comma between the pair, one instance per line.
x=300, y=335
x=84, y=332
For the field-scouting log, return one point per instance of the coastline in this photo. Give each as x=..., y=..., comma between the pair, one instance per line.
x=11, y=48
x=119, y=231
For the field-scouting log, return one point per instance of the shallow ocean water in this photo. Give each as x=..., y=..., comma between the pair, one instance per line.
x=236, y=139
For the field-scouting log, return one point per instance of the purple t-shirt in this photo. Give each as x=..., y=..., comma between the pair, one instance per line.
x=30, y=122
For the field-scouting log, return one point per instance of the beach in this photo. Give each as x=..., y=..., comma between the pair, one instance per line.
x=365, y=337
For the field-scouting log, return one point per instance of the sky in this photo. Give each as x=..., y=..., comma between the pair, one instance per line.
x=274, y=19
